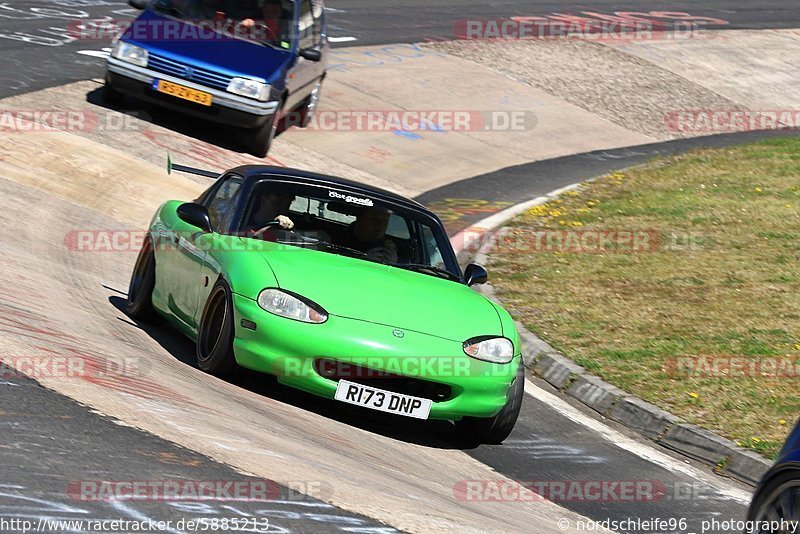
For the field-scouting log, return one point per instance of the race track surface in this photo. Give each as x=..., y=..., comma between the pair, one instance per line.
x=41, y=44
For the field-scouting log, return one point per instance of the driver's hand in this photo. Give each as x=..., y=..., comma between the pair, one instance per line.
x=247, y=23
x=285, y=222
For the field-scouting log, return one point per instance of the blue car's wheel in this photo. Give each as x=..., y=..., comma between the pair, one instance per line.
x=777, y=499
x=266, y=133
x=494, y=430
x=309, y=107
x=111, y=96
x=215, y=333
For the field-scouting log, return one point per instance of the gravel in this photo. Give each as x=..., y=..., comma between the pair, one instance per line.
x=621, y=88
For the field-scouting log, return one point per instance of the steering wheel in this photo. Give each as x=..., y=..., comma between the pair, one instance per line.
x=270, y=224
x=260, y=25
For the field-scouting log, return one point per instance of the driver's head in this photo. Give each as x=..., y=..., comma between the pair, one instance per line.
x=371, y=224
x=276, y=204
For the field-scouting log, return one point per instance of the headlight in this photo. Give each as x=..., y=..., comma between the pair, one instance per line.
x=249, y=88
x=291, y=306
x=491, y=349
x=130, y=53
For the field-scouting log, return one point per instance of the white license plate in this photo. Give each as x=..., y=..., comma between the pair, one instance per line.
x=382, y=400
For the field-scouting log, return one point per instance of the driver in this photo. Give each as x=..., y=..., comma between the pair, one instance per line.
x=268, y=17
x=368, y=234
x=272, y=207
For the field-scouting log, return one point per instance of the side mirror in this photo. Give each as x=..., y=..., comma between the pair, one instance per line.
x=137, y=4
x=196, y=215
x=311, y=54
x=475, y=274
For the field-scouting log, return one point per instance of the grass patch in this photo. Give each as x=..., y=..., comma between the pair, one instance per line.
x=711, y=272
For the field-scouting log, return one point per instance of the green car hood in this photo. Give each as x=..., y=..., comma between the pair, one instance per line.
x=368, y=291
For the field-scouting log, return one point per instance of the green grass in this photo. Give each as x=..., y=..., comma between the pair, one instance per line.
x=721, y=279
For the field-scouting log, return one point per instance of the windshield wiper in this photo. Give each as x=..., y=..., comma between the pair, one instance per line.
x=341, y=248
x=426, y=267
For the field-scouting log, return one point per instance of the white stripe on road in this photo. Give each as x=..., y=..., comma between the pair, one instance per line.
x=646, y=452
x=341, y=39
x=104, y=53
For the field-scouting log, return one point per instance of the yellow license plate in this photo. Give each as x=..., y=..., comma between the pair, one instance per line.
x=186, y=93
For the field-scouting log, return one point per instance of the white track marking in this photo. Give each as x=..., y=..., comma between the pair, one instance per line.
x=137, y=515
x=646, y=452
x=342, y=39
x=94, y=53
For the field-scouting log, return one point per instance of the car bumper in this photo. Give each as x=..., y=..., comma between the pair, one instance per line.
x=288, y=350
x=226, y=108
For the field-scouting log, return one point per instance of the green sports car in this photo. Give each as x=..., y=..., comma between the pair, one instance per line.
x=339, y=289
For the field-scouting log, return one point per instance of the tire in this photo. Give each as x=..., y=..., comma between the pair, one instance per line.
x=111, y=96
x=306, y=112
x=494, y=430
x=265, y=134
x=215, y=333
x=767, y=503
x=140, y=288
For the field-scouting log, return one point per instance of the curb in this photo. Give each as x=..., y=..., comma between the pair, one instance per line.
x=723, y=455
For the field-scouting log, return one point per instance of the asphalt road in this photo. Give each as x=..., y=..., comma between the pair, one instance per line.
x=61, y=462
x=39, y=47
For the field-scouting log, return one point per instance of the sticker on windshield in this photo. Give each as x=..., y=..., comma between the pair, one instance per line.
x=351, y=199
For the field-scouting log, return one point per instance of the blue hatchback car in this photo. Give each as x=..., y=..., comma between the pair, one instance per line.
x=778, y=494
x=253, y=64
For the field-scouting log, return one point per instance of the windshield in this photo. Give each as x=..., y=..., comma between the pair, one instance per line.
x=265, y=21
x=348, y=224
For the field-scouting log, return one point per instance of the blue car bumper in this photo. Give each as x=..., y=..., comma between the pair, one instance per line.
x=226, y=108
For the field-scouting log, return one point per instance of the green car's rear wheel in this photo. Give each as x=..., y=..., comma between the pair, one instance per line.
x=494, y=430
x=215, y=334
x=143, y=280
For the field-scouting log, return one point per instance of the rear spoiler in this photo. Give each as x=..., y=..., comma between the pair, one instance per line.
x=191, y=170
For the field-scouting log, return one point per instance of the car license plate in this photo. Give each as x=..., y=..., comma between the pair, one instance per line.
x=186, y=93
x=382, y=400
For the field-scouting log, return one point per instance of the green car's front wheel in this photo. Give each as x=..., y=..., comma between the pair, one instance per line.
x=494, y=430
x=215, y=333
x=143, y=280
